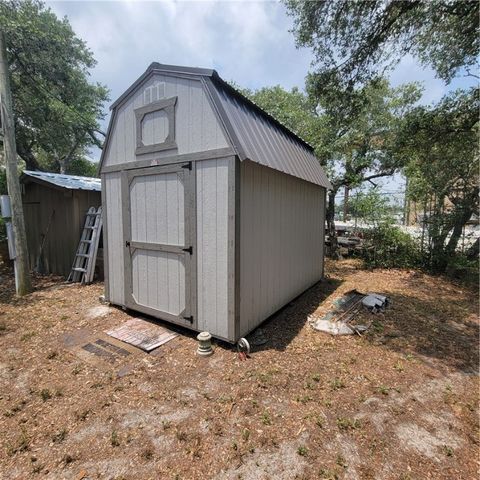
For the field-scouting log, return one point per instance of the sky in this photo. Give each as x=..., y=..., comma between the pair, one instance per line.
x=247, y=42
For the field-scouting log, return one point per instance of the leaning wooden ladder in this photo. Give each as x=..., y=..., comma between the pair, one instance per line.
x=83, y=266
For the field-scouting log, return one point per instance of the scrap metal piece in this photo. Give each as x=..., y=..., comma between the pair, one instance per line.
x=375, y=302
x=339, y=321
x=334, y=328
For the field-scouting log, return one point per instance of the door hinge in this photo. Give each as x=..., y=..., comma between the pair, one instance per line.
x=189, y=250
x=189, y=319
x=127, y=243
x=188, y=166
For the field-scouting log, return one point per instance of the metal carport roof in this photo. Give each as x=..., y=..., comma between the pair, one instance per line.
x=71, y=182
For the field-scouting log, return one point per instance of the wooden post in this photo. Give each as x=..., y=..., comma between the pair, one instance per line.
x=22, y=269
x=406, y=205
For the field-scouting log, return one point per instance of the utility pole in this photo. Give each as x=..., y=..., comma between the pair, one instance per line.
x=22, y=269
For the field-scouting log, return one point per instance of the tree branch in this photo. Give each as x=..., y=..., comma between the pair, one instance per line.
x=387, y=173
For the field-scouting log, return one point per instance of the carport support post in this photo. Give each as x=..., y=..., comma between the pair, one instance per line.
x=22, y=271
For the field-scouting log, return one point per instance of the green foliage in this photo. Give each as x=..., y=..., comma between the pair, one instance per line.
x=369, y=134
x=56, y=108
x=463, y=268
x=441, y=144
x=3, y=181
x=371, y=207
x=3, y=230
x=358, y=39
x=77, y=165
x=353, y=131
x=302, y=451
x=82, y=166
x=387, y=246
x=360, y=126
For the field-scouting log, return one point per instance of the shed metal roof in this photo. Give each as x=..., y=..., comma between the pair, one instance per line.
x=256, y=135
x=265, y=142
x=71, y=182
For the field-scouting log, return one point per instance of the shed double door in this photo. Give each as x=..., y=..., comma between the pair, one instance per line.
x=159, y=231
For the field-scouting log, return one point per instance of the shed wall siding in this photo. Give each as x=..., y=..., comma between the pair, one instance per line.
x=282, y=231
x=212, y=244
x=65, y=227
x=196, y=126
x=111, y=183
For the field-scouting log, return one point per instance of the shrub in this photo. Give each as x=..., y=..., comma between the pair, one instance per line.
x=387, y=246
x=463, y=268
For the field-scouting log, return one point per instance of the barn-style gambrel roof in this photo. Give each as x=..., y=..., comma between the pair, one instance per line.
x=255, y=135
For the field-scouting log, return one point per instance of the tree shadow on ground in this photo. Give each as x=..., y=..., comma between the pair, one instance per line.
x=284, y=325
x=39, y=283
x=440, y=329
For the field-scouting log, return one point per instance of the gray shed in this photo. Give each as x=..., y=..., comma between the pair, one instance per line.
x=214, y=211
x=54, y=206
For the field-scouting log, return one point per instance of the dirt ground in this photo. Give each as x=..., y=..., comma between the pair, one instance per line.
x=400, y=402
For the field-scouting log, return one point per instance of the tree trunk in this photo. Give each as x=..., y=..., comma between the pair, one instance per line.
x=65, y=161
x=438, y=232
x=438, y=257
x=460, y=221
x=345, y=203
x=332, y=233
x=22, y=277
x=28, y=157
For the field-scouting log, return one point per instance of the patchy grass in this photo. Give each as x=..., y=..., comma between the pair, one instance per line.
x=20, y=444
x=399, y=366
x=448, y=451
x=383, y=390
x=114, y=439
x=27, y=336
x=45, y=394
x=337, y=384
x=59, y=436
x=302, y=451
x=305, y=405
x=266, y=418
x=344, y=423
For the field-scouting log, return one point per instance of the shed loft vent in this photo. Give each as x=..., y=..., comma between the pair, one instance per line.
x=154, y=93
